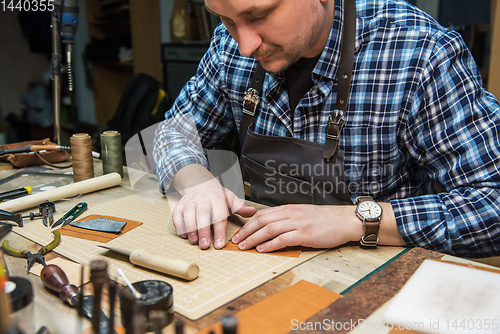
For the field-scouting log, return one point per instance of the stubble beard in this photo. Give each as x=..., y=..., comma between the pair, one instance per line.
x=299, y=47
x=288, y=58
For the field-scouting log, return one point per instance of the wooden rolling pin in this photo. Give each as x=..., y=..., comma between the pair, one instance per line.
x=163, y=264
x=69, y=190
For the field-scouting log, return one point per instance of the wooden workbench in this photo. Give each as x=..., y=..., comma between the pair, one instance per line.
x=336, y=269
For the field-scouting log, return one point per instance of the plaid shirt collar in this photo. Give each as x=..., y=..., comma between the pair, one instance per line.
x=326, y=70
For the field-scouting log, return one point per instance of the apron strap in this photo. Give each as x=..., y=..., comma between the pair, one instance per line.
x=251, y=101
x=336, y=119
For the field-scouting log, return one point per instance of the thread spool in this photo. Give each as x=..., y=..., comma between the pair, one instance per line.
x=159, y=296
x=81, y=152
x=111, y=151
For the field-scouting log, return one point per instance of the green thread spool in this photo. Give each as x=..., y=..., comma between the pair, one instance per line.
x=111, y=151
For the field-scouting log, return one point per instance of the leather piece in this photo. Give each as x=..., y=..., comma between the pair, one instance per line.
x=357, y=302
x=294, y=171
x=278, y=313
x=96, y=235
x=22, y=160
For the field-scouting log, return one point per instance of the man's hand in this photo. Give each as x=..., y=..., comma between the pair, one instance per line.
x=311, y=226
x=204, y=201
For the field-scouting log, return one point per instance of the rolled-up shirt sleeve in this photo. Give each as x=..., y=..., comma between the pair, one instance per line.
x=454, y=132
x=198, y=119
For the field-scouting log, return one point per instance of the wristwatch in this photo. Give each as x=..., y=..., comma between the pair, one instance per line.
x=370, y=213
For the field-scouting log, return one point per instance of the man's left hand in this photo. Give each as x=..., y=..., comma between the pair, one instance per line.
x=305, y=225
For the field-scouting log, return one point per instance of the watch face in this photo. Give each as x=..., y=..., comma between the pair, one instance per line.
x=370, y=209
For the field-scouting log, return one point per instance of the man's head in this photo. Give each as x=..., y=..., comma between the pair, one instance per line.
x=276, y=32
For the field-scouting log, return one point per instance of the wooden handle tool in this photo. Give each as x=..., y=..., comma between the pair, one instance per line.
x=69, y=190
x=163, y=264
x=54, y=278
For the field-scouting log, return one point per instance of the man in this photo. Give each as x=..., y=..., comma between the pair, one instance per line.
x=416, y=114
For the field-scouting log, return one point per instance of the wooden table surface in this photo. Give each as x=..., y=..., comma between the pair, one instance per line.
x=336, y=269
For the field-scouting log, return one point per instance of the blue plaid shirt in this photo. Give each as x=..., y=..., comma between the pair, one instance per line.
x=417, y=112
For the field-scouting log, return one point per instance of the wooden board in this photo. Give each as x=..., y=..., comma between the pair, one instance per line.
x=224, y=275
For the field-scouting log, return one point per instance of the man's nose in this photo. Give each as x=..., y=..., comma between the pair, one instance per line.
x=248, y=40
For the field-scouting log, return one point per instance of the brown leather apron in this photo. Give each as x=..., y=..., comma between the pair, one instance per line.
x=284, y=170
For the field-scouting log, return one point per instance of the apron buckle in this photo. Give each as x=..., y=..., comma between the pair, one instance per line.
x=336, y=122
x=336, y=118
x=250, y=101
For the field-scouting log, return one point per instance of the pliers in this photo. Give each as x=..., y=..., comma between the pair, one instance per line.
x=38, y=256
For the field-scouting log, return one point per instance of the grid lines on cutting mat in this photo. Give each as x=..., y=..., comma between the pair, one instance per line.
x=224, y=275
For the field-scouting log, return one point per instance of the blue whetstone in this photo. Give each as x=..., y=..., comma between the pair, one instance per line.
x=101, y=224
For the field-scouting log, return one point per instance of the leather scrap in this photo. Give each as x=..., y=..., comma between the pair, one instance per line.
x=103, y=237
x=21, y=160
x=278, y=313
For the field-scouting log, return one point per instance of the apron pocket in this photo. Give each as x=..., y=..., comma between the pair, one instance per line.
x=270, y=187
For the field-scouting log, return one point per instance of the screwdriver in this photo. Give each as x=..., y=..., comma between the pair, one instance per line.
x=15, y=193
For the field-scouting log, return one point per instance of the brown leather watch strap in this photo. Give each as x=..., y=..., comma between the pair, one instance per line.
x=370, y=226
x=370, y=233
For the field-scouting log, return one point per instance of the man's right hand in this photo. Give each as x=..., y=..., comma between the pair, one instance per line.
x=204, y=201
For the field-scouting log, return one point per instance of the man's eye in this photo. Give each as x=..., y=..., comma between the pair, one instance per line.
x=260, y=17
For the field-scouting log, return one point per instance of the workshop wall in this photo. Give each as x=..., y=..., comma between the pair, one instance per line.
x=17, y=64
x=25, y=57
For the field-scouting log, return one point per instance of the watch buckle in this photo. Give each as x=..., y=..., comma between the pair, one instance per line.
x=369, y=241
